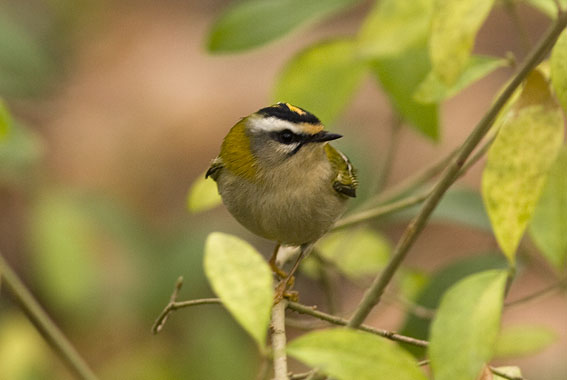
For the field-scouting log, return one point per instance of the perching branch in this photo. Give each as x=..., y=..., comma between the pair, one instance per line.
x=46, y=327
x=416, y=226
x=302, y=309
x=279, y=340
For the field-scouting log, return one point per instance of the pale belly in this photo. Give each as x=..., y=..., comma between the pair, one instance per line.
x=291, y=215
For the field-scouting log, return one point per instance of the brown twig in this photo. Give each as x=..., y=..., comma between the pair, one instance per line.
x=302, y=309
x=557, y=286
x=46, y=327
x=174, y=305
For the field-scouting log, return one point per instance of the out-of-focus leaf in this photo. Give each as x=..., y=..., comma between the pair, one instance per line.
x=23, y=353
x=429, y=298
x=393, y=26
x=433, y=90
x=203, y=195
x=412, y=282
x=559, y=69
x=399, y=77
x=460, y=205
x=521, y=340
x=5, y=120
x=549, y=223
x=466, y=325
x=20, y=152
x=355, y=252
x=241, y=278
x=509, y=371
x=518, y=161
x=354, y=355
x=63, y=241
x=24, y=65
x=454, y=26
x=250, y=23
x=322, y=78
x=547, y=6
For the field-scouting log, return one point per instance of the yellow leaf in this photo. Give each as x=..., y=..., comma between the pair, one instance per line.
x=530, y=137
x=203, y=195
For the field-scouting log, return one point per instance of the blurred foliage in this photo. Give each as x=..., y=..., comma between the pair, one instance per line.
x=519, y=340
x=203, y=195
x=439, y=283
x=104, y=271
x=242, y=279
x=363, y=355
x=250, y=23
x=549, y=222
x=529, y=139
x=458, y=353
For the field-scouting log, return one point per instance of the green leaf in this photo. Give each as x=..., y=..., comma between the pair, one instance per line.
x=453, y=30
x=251, y=23
x=355, y=252
x=460, y=205
x=322, y=78
x=241, y=278
x=433, y=90
x=466, y=326
x=509, y=371
x=24, y=64
x=530, y=137
x=5, y=120
x=63, y=240
x=354, y=355
x=521, y=340
x=20, y=153
x=399, y=77
x=559, y=69
x=547, y=6
x=203, y=195
x=549, y=222
x=393, y=26
x=419, y=326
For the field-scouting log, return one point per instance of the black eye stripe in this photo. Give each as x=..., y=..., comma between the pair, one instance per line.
x=287, y=137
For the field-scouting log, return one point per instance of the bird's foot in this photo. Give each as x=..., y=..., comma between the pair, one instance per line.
x=277, y=270
x=282, y=291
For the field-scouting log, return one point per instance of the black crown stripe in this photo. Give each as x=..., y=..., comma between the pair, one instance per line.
x=282, y=111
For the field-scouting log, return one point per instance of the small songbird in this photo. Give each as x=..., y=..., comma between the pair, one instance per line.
x=281, y=179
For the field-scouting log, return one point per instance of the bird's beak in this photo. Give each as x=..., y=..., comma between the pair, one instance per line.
x=324, y=136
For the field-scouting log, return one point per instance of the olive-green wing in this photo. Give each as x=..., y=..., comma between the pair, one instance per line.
x=345, y=182
x=215, y=168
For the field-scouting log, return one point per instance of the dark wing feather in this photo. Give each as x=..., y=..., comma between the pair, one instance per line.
x=215, y=168
x=345, y=182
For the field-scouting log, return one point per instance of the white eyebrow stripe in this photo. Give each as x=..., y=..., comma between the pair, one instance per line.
x=273, y=124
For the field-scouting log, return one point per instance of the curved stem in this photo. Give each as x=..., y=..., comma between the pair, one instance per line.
x=47, y=328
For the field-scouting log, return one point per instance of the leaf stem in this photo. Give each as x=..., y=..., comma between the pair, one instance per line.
x=46, y=327
x=373, y=294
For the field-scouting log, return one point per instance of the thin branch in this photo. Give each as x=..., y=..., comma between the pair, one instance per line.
x=279, y=340
x=381, y=211
x=539, y=293
x=174, y=305
x=386, y=167
x=47, y=328
x=302, y=309
x=416, y=226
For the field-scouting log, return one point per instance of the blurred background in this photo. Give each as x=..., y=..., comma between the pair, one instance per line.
x=117, y=109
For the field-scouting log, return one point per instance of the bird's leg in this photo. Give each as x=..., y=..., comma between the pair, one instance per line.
x=289, y=279
x=277, y=270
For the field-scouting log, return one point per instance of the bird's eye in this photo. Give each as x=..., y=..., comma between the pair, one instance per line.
x=286, y=137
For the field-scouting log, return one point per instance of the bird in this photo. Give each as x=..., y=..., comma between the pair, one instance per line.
x=280, y=178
